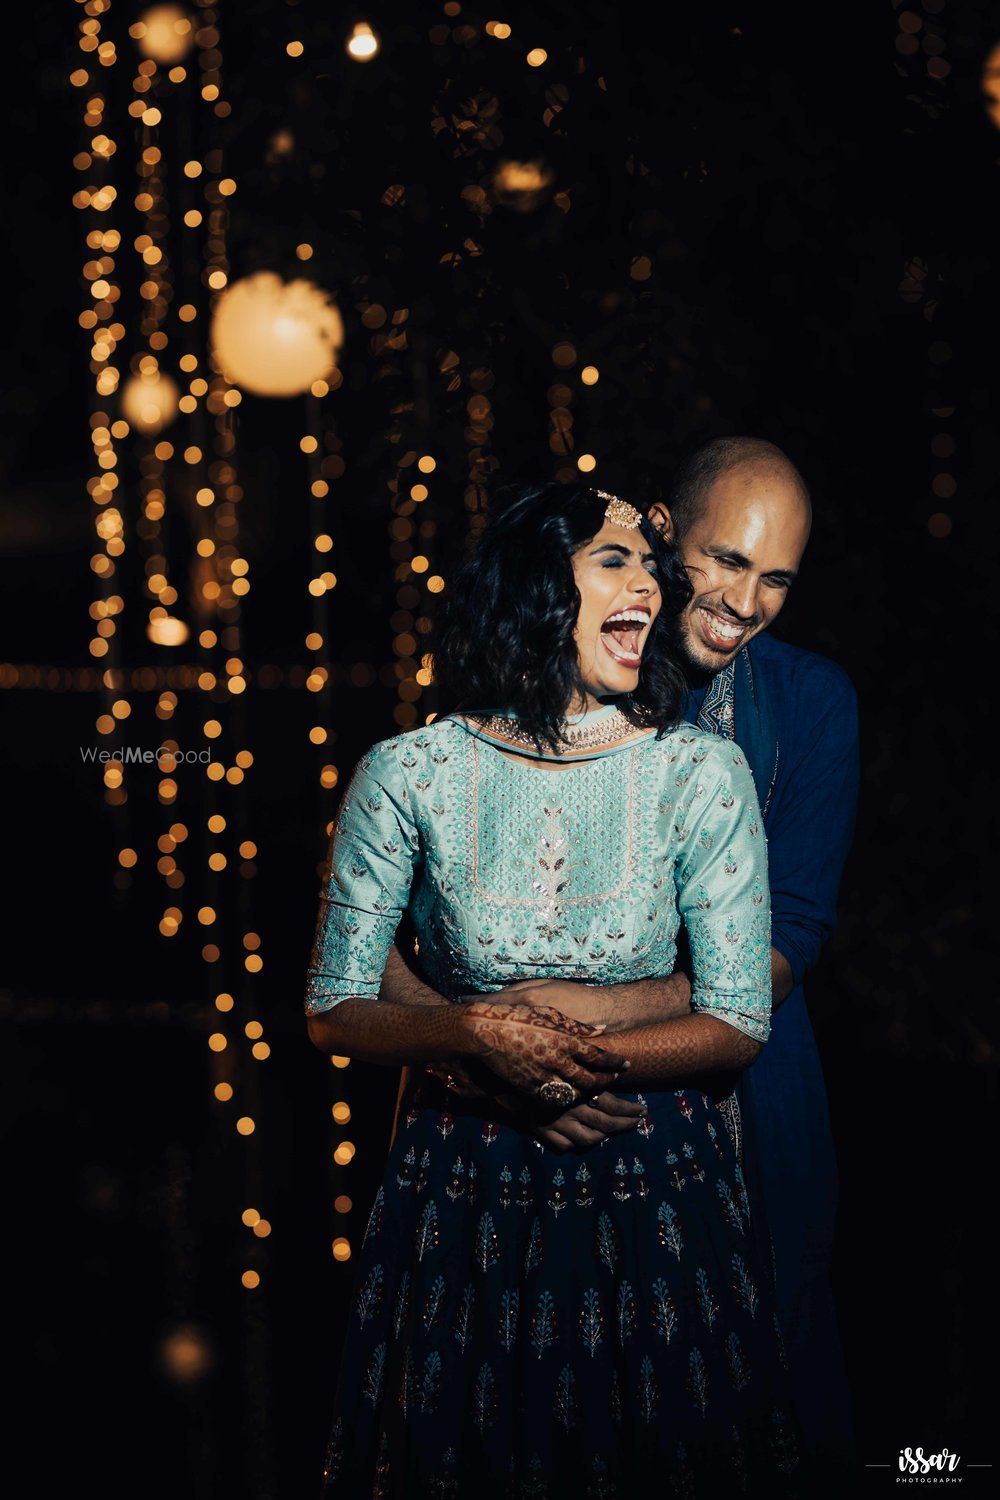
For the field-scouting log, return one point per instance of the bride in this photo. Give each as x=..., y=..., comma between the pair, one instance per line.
x=525, y=1322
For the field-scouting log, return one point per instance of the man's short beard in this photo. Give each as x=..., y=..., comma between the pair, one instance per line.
x=696, y=672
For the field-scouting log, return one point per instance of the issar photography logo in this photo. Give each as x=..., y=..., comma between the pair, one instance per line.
x=915, y=1466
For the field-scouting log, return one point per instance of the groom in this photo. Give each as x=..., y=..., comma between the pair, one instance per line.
x=740, y=514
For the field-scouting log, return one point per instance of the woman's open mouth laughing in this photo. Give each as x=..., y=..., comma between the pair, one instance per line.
x=623, y=634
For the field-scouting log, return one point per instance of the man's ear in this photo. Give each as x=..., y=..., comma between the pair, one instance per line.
x=662, y=520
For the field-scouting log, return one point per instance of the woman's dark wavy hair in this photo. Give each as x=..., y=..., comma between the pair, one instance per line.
x=506, y=638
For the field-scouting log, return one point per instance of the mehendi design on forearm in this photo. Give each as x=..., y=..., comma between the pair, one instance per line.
x=681, y=1047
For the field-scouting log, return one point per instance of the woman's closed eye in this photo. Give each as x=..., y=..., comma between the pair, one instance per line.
x=621, y=562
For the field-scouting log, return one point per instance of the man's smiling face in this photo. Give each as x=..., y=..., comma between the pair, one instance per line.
x=741, y=552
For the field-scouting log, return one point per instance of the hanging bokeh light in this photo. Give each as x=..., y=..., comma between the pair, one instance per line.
x=522, y=185
x=186, y=1355
x=149, y=401
x=164, y=33
x=991, y=85
x=167, y=630
x=363, y=44
x=281, y=144
x=275, y=338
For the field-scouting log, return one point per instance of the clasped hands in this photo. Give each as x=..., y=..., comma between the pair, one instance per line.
x=552, y=1003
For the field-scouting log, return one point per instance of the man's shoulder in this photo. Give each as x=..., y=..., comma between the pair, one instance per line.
x=806, y=675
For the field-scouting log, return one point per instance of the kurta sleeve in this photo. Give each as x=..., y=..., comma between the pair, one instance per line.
x=722, y=895
x=811, y=825
x=373, y=854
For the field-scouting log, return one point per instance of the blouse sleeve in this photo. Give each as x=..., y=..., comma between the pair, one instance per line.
x=722, y=892
x=365, y=885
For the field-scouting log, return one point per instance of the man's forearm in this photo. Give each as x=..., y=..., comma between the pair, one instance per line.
x=401, y=986
x=646, y=1000
x=643, y=1001
x=664, y=1051
x=620, y=1005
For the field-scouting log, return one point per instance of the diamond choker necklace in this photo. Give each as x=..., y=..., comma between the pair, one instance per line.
x=601, y=729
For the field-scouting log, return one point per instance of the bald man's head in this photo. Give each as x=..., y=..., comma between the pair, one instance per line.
x=699, y=472
x=740, y=513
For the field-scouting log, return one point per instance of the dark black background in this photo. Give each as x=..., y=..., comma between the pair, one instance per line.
x=815, y=207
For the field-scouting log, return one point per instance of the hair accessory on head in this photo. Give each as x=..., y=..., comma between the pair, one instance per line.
x=620, y=512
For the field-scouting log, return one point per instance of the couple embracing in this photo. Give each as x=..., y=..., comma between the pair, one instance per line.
x=597, y=1264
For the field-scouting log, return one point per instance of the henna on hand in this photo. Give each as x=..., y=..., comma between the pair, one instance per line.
x=472, y=1078
x=527, y=1048
x=546, y=1016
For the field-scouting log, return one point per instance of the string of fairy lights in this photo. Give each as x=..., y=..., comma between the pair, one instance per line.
x=921, y=46
x=97, y=200
x=151, y=396
x=322, y=466
x=275, y=340
x=151, y=399
x=411, y=537
x=224, y=583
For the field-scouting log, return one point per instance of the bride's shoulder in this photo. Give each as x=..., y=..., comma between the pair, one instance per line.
x=686, y=747
x=681, y=741
x=433, y=743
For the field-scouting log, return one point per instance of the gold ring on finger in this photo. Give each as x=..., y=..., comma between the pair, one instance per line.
x=557, y=1091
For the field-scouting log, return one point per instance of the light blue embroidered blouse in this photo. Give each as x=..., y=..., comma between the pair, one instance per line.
x=510, y=871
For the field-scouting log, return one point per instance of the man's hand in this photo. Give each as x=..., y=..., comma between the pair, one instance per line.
x=582, y=1002
x=621, y=1006
x=587, y=1124
x=457, y=1076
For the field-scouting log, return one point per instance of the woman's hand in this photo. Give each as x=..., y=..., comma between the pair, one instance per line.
x=527, y=1046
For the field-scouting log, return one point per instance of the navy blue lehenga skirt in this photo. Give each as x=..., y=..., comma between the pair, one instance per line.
x=532, y=1325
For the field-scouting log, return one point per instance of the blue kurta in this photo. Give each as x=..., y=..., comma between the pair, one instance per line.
x=525, y=1322
x=806, y=772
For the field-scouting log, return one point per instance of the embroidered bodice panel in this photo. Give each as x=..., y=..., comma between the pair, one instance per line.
x=585, y=872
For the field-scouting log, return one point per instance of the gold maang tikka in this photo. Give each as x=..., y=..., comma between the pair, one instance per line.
x=619, y=512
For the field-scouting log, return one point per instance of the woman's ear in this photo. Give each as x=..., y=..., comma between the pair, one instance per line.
x=662, y=520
